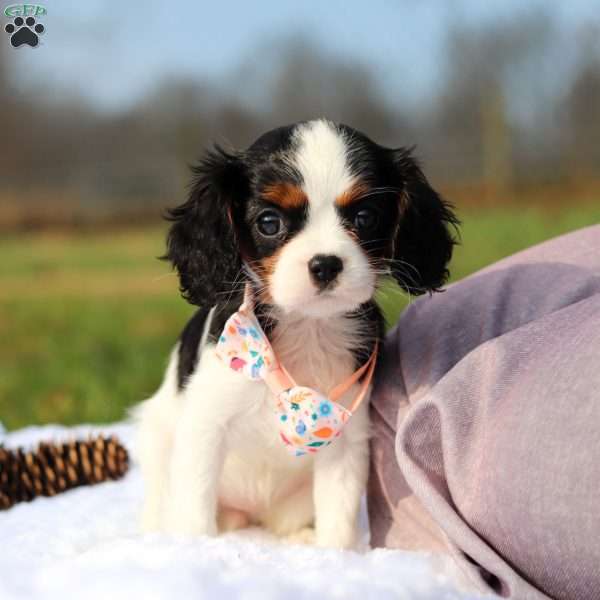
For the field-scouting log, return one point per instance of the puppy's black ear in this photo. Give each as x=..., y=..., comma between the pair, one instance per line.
x=202, y=243
x=424, y=240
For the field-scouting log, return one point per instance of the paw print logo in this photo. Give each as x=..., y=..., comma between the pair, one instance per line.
x=24, y=32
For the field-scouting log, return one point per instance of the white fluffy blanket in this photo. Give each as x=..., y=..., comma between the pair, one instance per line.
x=86, y=544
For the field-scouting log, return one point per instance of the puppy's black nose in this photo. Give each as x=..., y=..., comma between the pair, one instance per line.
x=324, y=268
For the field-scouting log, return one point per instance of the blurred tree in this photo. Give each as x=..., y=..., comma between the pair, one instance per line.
x=470, y=133
x=502, y=115
x=582, y=109
x=496, y=143
x=307, y=83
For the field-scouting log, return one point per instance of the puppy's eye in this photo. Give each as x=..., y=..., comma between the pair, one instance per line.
x=366, y=219
x=269, y=223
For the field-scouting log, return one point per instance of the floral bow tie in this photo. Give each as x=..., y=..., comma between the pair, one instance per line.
x=307, y=419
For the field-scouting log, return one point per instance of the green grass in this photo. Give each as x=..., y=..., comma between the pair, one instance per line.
x=87, y=321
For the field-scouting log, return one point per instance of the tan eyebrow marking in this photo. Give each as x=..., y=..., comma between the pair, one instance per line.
x=354, y=193
x=286, y=195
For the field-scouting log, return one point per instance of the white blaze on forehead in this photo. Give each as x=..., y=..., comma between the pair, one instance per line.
x=321, y=159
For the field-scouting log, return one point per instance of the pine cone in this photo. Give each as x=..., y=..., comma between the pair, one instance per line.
x=54, y=468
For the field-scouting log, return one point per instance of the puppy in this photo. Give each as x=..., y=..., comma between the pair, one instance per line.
x=307, y=221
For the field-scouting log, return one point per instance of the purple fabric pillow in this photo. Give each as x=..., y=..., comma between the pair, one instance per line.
x=486, y=416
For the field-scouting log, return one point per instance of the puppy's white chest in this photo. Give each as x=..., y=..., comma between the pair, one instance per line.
x=316, y=353
x=259, y=469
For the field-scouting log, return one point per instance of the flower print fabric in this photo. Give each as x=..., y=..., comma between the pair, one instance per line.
x=244, y=347
x=307, y=420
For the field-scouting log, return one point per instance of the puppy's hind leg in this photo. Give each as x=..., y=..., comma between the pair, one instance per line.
x=231, y=519
x=153, y=448
x=155, y=420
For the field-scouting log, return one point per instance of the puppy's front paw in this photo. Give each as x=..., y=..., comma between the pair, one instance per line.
x=184, y=523
x=306, y=536
x=150, y=521
x=343, y=538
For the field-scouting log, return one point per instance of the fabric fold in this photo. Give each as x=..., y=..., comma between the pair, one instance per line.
x=495, y=390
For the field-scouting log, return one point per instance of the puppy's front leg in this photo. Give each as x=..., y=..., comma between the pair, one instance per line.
x=196, y=464
x=340, y=479
x=198, y=454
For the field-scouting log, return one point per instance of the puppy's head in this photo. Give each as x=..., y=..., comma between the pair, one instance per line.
x=313, y=213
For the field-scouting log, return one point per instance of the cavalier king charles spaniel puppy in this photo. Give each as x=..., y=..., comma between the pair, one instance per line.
x=305, y=223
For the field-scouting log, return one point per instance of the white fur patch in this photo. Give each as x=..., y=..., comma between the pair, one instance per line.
x=321, y=159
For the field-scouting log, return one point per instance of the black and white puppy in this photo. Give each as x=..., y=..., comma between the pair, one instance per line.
x=312, y=215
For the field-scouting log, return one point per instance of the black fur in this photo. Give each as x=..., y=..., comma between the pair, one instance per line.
x=189, y=345
x=370, y=313
x=422, y=246
x=424, y=241
x=189, y=341
x=202, y=241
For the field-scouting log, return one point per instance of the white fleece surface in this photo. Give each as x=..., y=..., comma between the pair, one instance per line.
x=86, y=544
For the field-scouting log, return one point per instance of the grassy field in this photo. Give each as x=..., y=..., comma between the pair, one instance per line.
x=87, y=320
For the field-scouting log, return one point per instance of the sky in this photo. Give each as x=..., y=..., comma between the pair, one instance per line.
x=113, y=53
